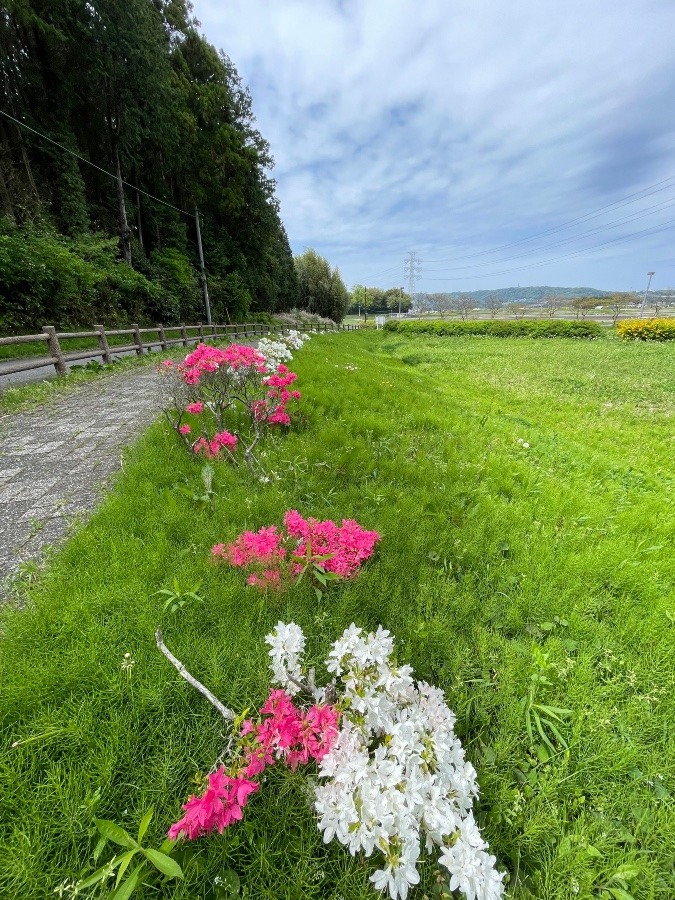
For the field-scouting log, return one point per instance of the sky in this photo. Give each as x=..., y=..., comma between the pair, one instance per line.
x=524, y=142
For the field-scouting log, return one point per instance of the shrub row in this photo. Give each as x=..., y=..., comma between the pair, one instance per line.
x=492, y=328
x=646, y=329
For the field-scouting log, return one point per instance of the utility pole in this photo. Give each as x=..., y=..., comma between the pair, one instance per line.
x=400, y=297
x=412, y=270
x=203, y=270
x=644, y=298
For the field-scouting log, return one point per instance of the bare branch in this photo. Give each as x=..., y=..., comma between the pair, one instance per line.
x=183, y=672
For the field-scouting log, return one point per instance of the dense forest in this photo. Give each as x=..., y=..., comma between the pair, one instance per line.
x=151, y=108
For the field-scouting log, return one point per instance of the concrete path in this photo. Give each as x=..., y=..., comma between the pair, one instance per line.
x=55, y=461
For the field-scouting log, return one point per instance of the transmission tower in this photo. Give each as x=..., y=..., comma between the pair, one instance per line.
x=412, y=270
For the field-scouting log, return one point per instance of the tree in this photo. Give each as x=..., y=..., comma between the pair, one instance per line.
x=439, y=303
x=321, y=289
x=517, y=310
x=583, y=305
x=397, y=300
x=551, y=304
x=494, y=303
x=462, y=304
x=132, y=87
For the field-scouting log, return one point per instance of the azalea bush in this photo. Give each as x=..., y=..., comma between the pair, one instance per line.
x=393, y=779
x=277, y=557
x=222, y=401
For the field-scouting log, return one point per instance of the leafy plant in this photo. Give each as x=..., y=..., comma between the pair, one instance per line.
x=201, y=498
x=540, y=717
x=177, y=598
x=153, y=862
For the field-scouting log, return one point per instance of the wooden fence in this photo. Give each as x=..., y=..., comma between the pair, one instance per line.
x=199, y=334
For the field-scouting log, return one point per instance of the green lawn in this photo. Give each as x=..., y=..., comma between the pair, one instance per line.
x=496, y=563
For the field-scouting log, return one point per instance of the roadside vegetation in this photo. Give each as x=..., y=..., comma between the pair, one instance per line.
x=525, y=498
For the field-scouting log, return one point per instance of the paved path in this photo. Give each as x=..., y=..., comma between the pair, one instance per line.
x=55, y=461
x=45, y=373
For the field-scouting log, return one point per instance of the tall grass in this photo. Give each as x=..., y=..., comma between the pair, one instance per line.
x=497, y=563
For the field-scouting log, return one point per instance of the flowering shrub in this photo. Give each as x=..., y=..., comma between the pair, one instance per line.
x=646, y=329
x=394, y=779
x=231, y=397
x=278, y=557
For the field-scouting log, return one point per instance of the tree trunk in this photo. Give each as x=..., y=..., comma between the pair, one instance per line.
x=125, y=232
x=6, y=199
x=140, y=222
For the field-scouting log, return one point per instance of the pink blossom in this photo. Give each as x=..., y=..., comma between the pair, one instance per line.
x=283, y=732
x=219, y=806
x=195, y=408
x=185, y=429
x=273, y=554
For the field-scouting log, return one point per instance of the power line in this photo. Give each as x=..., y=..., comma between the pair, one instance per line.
x=89, y=163
x=599, y=228
x=638, y=195
x=653, y=230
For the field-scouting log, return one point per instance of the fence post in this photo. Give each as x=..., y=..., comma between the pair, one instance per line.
x=162, y=337
x=183, y=333
x=137, y=340
x=201, y=332
x=103, y=343
x=55, y=349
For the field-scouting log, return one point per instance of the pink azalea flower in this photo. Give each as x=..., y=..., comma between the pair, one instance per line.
x=195, y=408
x=185, y=429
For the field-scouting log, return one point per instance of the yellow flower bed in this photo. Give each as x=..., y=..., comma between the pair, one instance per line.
x=647, y=329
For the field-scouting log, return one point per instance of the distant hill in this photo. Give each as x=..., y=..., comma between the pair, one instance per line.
x=529, y=294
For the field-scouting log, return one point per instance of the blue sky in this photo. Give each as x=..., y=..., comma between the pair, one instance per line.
x=458, y=127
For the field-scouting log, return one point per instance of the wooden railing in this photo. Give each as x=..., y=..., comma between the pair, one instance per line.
x=199, y=334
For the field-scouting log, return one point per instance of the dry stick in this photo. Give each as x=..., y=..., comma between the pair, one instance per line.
x=183, y=672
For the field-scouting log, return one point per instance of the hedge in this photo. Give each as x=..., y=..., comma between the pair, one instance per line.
x=551, y=328
x=646, y=329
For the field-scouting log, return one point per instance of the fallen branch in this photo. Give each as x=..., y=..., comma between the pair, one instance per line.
x=183, y=672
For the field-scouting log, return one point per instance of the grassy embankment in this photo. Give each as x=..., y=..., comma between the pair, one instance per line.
x=497, y=563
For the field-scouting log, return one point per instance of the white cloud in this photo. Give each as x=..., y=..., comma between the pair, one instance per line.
x=458, y=127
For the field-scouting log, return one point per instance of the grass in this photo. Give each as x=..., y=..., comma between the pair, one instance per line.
x=498, y=563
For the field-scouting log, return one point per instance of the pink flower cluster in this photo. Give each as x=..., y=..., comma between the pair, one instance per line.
x=205, y=358
x=273, y=409
x=218, y=807
x=289, y=733
x=210, y=449
x=283, y=732
x=277, y=555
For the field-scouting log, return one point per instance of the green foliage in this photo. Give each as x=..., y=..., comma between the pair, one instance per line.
x=161, y=861
x=321, y=289
x=378, y=300
x=46, y=278
x=419, y=443
x=646, y=329
x=493, y=328
x=134, y=84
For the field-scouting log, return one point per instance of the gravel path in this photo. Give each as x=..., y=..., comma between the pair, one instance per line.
x=55, y=461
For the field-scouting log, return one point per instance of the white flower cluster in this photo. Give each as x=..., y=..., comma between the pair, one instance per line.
x=275, y=352
x=288, y=645
x=279, y=351
x=295, y=339
x=397, y=776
